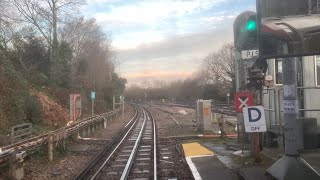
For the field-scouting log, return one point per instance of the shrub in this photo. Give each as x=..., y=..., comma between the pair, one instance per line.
x=33, y=110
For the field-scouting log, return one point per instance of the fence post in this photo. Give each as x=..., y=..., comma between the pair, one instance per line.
x=113, y=103
x=105, y=122
x=50, y=146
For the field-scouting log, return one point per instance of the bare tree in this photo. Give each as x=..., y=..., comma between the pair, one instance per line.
x=7, y=24
x=91, y=47
x=212, y=69
x=226, y=60
x=80, y=31
x=219, y=67
x=44, y=15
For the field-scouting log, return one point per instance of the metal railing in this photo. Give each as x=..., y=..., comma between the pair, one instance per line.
x=57, y=134
x=275, y=107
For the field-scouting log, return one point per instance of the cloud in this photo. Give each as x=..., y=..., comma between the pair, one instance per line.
x=159, y=74
x=167, y=37
x=175, y=54
x=144, y=21
x=149, y=12
x=132, y=39
x=95, y=2
x=151, y=76
x=178, y=45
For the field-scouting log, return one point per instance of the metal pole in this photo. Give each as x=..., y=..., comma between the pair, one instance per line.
x=258, y=8
x=228, y=96
x=291, y=166
x=123, y=108
x=290, y=105
x=255, y=136
x=309, y=6
x=240, y=85
x=50, y=146
x=92, y=106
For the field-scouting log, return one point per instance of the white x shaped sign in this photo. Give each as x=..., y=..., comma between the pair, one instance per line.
x=243, y=102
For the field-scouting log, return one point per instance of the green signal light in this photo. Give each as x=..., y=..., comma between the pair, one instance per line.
x=251, y=25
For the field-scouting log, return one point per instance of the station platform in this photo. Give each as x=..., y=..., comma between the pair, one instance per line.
x=204, y=164
x=213, y=161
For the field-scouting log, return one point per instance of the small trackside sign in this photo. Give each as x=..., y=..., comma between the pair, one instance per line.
x=249, y=54
x=93, y=95
x=243, y=99
x=254, y=119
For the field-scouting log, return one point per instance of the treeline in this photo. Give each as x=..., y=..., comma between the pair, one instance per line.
x=213, y=80
x=49, y=46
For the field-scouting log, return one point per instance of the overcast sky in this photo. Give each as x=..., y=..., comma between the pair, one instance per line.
x=165, y=39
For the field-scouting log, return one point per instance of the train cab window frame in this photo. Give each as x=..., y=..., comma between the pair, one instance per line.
x=278, y=74
x=270, y=69
x=317, y=70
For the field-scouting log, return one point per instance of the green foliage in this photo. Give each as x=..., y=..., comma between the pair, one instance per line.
x=38, y=80
x=13, y=91
x=61, y=67
x=118, y=84
x=211, y=91
x=82, y=67
x=30, y=57
x=33, y=109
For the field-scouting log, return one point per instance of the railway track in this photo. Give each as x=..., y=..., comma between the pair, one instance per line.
x=132, y=155
x=227, y=109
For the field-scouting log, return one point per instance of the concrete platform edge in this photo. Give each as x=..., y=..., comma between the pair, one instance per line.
x=193, y=169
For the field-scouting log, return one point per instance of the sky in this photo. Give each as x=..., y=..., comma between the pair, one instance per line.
x=165, y=39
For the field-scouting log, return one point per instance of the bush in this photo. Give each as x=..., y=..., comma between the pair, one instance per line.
x=33, y=110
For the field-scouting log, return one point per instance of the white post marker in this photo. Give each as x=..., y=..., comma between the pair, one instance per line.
x=254, y=119
x=93, y=97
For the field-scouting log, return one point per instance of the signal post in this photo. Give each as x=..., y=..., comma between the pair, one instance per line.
x=245, y=41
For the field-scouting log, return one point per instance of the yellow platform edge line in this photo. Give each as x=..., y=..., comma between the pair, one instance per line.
x=195, y=149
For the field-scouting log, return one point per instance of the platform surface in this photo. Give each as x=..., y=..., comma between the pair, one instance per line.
x=195, y=149
x=204, y=164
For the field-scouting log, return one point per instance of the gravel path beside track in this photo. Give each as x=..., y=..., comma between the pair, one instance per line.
x=67, y=166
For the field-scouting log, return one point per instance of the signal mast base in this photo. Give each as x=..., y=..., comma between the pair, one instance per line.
x=292, y=168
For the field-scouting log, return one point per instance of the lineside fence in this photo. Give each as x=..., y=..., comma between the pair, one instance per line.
x=76, y=128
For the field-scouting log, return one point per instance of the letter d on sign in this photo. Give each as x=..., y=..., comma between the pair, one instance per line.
x=254, y=114
x=254, y=119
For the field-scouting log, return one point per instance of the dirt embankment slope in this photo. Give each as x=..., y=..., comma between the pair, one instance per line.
x=54, y=114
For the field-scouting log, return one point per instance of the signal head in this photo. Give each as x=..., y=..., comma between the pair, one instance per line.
x=245, y=31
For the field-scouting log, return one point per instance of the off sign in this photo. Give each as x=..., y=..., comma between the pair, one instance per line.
x=254, y=119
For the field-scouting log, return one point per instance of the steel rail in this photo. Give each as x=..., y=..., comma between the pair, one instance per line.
x=130, y=120
x=127, y=168
x=219, y=108
x=154, y=146
x=115, y=149
x=129, y=164
x=90, y=165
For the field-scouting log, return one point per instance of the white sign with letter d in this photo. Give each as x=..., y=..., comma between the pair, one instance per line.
x=254, y=119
